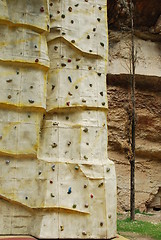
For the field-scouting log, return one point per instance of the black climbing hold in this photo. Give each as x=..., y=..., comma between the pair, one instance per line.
x=102, y=44
x=36, y=60
x=31, y=87
x=85, y=157
x=101, y=224
x=83, y=100
x=98, y=19
x=53, y=167
x=94, y=29
x=67, y=118
x=54, y=145
x=89, y=68
x=55, y=48
x=86, y=205
x=72, y=21
x=51, y=15
x=69, y=78
x=100, y=185
x=85, y=185
x=101, y=93
x=26, y=198
x=53, y=86
x=72, y=41
x=88, y=37
x=100, y=8
x=76, y=5
x=90, y=85
x=31, y=101
x=85, y=130
x=76, y=87
x=51, y=4
x=76, y=167
x=40, y=172
x=70, y=94
x=74, y=205
x=52, y=195
x=107, y=169
x=103, y=103
x=69, y=143
x=35, y=46
x=63, y=64
x=77, y=67
x=68, y=103
x=99, y=74
x=62, y=16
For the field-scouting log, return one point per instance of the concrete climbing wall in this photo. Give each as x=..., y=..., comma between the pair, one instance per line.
x=56, y=179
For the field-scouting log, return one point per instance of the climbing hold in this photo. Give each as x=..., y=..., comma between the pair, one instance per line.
x=85, y=158
x=76, y=167
x=90, y=85
x=100, y=185
x=83, y=100
x=9, y=96
x=70, y=9
x=67, y=118
x=72, y=41
x=7, y=162
x=84, y=233
x=102, y=44
x=109, y=216
x=55, y=123
x=74, y=205
x=40, y=172
x=0, y=137
x=90, y=51
x=51, y=181
x=87, y=143
x=31, y=87
x=85, y=185
x=100, y=8
x=89, y=68
x=99, y=74
x=52, y=195
x=35, y=46
x=62, y=228
x=70, y=94
x=94, y=29
x=58, y=12
x=69, y=60
x=63, y=64
x=55, y=48
x=52, y=87
x=31, y=101
x=85, y=130
x=36, y=60
x=69, y=190
x=76, y=5
x=98, y=19
x=77, y=67
x=91, y=195
x=69, y=78
x=26, y=198
x=103, y=103
x=101, y=93
x=9, y=80
x=42, y=9
x=72, y=21
x=54, y=145
x=68, y=103
x=51, y=4
x=107, y=169
x=69, y=143
x=17, y=72
x=51, y=15
x=86, y=205
x=53, y=167
x=62, y=16
x=76, y=87
x=78, y=59
x=88, y=37
x=101, y=224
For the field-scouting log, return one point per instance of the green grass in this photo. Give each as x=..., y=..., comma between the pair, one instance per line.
x=143, y=228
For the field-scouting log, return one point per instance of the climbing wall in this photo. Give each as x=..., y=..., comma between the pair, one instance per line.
x=56, y=179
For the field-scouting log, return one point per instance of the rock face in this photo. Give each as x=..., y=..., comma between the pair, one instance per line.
x=148, y=140
x=148, y=102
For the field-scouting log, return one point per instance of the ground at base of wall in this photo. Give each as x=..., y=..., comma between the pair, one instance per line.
x=31, y=238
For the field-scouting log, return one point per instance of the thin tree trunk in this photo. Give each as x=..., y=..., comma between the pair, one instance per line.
x=132, y=73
